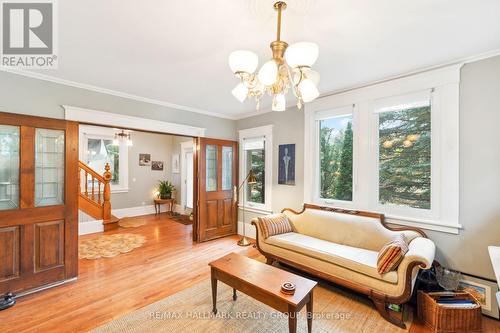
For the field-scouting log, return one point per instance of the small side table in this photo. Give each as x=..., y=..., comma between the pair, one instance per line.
x=168, y=202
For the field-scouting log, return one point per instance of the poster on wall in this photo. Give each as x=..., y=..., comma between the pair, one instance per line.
x=286, y=158
x=157, y=165
x=176, y=163
x=144, y=159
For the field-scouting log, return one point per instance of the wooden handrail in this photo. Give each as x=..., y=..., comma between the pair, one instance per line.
x=95, y=202
x=91, y=171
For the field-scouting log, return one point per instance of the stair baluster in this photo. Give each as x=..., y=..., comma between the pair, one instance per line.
x=97, y=206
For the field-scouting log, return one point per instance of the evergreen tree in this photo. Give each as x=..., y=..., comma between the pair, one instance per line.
x=405, y=171
x=343, y=181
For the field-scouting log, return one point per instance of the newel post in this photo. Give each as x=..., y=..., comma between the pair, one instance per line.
x=106, y=205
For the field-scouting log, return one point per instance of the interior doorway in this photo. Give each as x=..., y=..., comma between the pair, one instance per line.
x=187, y=174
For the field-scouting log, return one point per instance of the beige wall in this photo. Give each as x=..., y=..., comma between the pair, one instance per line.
x=479, y=168
x=142, y=181
x=288, y=128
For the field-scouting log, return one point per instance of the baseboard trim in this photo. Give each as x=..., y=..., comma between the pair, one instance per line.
x=90, y=227
x=142, y=210
x=249, y=230
x=136, y=211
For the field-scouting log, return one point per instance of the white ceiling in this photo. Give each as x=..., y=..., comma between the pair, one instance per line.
x=176, y=51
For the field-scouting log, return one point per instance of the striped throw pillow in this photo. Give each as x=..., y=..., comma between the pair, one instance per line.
x=274, y=225
x=391, y=254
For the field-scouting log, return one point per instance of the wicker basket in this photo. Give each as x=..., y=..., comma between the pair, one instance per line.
x=445, y=319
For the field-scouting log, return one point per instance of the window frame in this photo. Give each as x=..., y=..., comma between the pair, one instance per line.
x=323, y=115
x=397, y=210
x=94, y=132
x=250, y=133
x=444, y=213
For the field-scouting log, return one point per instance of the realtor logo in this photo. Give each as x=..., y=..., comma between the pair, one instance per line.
x=28, y=34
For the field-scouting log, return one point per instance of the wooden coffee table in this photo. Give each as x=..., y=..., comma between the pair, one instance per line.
x=263, y=282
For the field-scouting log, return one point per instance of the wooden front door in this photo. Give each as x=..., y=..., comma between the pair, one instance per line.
x=218, y=175
x=38, y=201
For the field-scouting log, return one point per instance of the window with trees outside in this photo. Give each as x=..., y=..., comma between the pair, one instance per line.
x=255, y=161
x=102, y=151
x=336, y=147
x=390, y=147
x=97, y=149
x=405, y=157
x=256, y=155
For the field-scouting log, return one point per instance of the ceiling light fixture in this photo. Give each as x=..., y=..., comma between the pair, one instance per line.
x=122, y=135
x=277, y=76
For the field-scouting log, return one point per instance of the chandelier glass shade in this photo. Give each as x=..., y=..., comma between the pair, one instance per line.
x=288, y=69
x=122, y=136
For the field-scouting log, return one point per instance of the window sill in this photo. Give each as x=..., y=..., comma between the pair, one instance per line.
x=423, y=224
x=119, y=190
x=258, y=210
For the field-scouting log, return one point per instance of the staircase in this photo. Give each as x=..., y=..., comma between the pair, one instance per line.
x=92, y=200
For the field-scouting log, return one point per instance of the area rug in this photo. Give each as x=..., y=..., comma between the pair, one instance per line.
x=335, y=310
x=129, y=222
x=183, y=219
x=109, y=246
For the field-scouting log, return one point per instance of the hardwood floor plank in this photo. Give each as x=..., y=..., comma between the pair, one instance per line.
x=108, y=288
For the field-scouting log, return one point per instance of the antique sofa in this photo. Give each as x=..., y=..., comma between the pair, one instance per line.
x=342, y=246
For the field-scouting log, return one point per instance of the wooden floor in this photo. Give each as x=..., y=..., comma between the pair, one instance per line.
x=108, y=288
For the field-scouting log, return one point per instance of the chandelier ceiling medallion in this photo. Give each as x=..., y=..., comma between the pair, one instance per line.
x=289, y=69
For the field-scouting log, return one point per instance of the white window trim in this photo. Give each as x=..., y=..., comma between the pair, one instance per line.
x=445, y=143
x=95, y=132
x=267, y=132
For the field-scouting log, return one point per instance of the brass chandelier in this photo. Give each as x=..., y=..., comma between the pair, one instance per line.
x=289, y=69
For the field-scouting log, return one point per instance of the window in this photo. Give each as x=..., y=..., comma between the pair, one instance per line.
x=97, y=149
x=335, y=155
x=256, y=152
x=394, y=150
x=405, y=157
x=255, y=160
x=102, y=151
x=9, y=167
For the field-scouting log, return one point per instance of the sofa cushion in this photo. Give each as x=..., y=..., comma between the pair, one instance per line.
x=391, y=254
x=356, y=259
x=274, y=224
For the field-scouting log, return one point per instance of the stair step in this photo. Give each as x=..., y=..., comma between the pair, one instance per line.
x=111, y=224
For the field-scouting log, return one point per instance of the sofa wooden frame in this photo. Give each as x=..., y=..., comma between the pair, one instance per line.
x=380, y=300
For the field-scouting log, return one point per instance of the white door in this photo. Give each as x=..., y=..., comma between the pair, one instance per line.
x=189, y=179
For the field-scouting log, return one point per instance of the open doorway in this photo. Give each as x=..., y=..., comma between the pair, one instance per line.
x=148, y=175
x=187, y=174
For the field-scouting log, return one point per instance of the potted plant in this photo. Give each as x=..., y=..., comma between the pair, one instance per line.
x=165, y=189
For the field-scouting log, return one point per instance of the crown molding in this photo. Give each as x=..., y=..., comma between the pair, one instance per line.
x=112, y=92
x=240, y=116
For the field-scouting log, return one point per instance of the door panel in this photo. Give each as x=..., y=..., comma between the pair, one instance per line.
x=39, y=237
x=217, y=162
x=9, y=257
x=49, y=245
x=228, y=207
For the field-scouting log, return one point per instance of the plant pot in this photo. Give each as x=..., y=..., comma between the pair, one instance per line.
x=166, y=196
